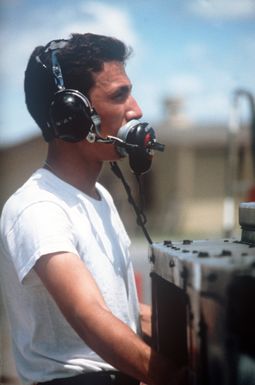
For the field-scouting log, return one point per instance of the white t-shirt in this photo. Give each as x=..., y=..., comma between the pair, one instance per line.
x=48, y=215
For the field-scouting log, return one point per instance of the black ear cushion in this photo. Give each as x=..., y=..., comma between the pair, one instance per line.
x=70, y=115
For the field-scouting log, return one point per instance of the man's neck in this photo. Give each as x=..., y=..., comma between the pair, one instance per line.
x=78, y=172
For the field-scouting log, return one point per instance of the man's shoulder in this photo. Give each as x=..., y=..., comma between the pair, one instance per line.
x=36, y=188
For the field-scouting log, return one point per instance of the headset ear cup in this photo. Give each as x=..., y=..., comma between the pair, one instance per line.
x=71, y=116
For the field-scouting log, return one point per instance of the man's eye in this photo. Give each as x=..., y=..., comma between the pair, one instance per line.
x=119, y=96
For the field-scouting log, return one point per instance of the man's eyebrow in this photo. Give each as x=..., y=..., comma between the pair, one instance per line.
x=122, y=89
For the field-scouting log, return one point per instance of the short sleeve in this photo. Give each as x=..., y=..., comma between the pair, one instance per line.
x=41, y=228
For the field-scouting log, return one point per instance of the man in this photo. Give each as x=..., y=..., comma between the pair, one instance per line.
x=67, y=274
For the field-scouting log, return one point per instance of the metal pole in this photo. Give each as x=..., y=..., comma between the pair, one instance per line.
x=234, y=129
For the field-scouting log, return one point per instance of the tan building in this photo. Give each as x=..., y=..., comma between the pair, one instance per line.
x=185, y=189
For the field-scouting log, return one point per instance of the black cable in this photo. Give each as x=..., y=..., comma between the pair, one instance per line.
x=140, y=217
x=141, y=197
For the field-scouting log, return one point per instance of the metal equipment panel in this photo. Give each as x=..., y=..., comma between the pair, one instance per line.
x=203, y=307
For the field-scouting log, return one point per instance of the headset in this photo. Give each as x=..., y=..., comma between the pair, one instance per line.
x=71, y=115
x=72, y=119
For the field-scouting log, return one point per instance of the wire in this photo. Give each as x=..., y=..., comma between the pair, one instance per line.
x=140, y=216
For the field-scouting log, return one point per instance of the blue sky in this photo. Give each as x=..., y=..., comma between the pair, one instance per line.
x=199, y=50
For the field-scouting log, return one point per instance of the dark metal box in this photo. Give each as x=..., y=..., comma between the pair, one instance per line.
x=203, y=304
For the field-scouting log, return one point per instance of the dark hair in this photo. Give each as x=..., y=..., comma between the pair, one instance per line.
x=79, y=58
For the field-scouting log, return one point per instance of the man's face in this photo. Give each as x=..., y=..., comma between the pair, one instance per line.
x=111, y=97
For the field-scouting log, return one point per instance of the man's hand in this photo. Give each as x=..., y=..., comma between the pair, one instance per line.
x=145, y=319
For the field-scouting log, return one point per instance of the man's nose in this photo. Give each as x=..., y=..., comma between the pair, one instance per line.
x=133, y=110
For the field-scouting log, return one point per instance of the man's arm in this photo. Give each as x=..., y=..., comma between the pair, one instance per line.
x=78, y=297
